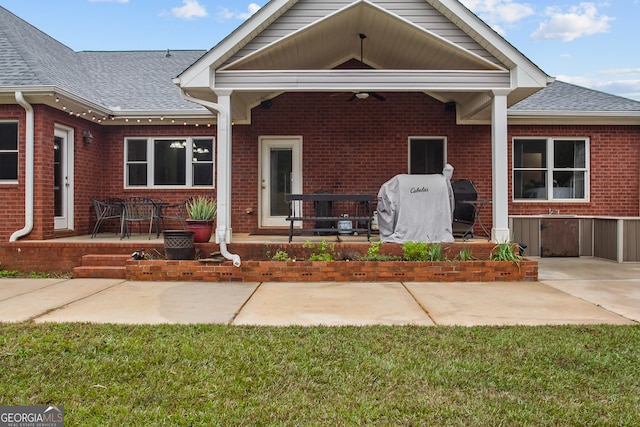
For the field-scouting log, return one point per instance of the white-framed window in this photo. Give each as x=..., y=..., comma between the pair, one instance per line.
x=8, y=152
x=551, y=169
x=169, y=162
x=427, y=155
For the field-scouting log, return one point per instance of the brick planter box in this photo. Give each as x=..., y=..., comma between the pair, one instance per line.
x=337, y=271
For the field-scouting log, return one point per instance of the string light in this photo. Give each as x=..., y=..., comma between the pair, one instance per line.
x=102, y=118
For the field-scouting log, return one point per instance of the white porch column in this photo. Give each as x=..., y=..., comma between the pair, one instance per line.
x=223, y=170
x=500, y=167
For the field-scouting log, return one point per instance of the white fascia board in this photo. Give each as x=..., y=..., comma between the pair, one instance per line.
x=48, y=93
x=359, y=80
x=196, y=74
x=526, y=71
x=136, y=114
x=553, y=113
x=574, y=117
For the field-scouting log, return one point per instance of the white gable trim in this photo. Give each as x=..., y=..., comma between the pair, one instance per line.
x=358, y=3
x=526, y=73
x=233, y=42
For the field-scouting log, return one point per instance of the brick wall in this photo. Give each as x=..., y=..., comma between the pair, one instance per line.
x=347, y=147
x=61, y=257
x=341, y=271
x=614, y=168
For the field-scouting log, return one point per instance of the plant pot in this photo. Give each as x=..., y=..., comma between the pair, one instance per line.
x=178, y=244
x=202, y=230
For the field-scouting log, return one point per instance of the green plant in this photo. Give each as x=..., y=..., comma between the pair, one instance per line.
x=373, y=253
x=7, y=273
x=505, y=252
x=465, y=255
x=320, y=252
x=415, y=251
x=202, y=208
x=374, y=249
x=434, y=252
x=35, y=274
x=281, y=255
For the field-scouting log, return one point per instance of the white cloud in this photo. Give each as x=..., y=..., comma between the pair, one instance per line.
x=578, y=21
x=226, y=14
x=191, y=9
x=495, y=12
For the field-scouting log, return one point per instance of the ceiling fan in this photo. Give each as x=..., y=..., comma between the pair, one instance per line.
x=365, y=95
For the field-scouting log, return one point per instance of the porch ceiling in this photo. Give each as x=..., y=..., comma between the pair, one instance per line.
x=402, y=51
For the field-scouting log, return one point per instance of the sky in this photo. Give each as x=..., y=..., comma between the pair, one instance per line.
x=588, y=43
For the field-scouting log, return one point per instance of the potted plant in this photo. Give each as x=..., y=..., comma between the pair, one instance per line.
x=202, y=212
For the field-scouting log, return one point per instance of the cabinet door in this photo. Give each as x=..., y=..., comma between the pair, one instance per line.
x=559, y=237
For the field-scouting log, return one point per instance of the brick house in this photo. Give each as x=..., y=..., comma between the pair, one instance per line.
x=304, y=96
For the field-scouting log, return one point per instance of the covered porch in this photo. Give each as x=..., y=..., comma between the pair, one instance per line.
x=357, y=52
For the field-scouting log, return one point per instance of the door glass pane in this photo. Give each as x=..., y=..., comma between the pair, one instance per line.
x=58, y=178
x=280, y=180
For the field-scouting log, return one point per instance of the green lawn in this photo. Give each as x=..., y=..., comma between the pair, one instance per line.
x=209, y=375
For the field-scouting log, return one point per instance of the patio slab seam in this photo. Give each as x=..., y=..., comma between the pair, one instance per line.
x=422, y=307
x=244, y=304
x=61, y=307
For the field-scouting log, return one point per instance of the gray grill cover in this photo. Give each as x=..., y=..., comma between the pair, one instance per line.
x=417, y=208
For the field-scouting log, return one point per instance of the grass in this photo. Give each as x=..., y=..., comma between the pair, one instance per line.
x=32, y=274
x=207, y=375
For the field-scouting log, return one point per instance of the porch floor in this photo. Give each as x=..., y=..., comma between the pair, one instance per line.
x=239, y=238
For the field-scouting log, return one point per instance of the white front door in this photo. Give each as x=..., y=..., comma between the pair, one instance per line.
x=63, y=178
x=280, y=174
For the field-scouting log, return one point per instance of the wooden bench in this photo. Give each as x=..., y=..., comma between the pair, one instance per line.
x=328, y=212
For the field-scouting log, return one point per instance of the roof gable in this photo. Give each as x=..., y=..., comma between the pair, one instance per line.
x=363, y=31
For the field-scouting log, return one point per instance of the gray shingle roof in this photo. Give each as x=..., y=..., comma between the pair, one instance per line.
x=561, y=96
x=139, y=80
x=142, y=80
x=117, y=80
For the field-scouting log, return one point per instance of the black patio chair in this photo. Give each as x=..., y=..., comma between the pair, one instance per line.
x=173, y=212
x=137, y=209
x=107, y=209
x=464, y=213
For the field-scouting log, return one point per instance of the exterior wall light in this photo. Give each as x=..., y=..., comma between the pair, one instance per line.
x=87, y=137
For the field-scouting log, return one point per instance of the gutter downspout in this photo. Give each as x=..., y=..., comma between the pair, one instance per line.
x=29, y=165
x=221, y=230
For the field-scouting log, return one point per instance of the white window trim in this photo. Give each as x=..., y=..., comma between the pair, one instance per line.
x=17, y=150
x=549, y=169
x=433, y=138
x=151, y=164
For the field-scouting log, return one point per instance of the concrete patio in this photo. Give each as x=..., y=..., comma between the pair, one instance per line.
x=570, y=291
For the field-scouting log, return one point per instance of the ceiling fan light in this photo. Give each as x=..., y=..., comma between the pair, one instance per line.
x=362, y=95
